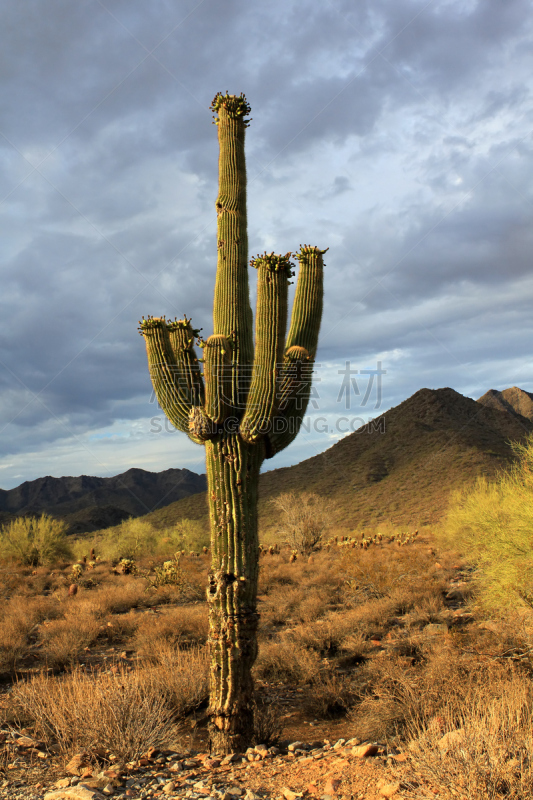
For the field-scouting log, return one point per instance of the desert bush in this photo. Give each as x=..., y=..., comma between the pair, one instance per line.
x=123, y=711
x=169, y=573
x=304, y=519
x=482, y=749
x=185, y=626
x=14, y=631
x=330, y=696
x=490, y=524
x=282, y=661
x=35, y=540
x=268, y=728
x=64, y=640
x=403, y=695
x=180, y=676
x=132, y=538
x=186, y=534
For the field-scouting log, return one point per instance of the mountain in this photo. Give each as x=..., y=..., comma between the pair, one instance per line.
x=89, y=503
x=401, y=468
x=513, y=400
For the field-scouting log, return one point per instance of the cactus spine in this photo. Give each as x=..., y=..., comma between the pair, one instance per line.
x=250, y=407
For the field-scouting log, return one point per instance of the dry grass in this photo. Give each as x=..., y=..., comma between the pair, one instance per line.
x=121, y=712
x=481, y=748
x=183, y=625
x=344, y=636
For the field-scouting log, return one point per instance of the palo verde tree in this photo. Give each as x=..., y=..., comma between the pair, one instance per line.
x=246, y=406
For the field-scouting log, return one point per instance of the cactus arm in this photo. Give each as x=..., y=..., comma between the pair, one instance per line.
x=270, y=326
x=307, y=306
x=232, y=313
x=174, y=368
x=217, y=373
x=300, y=350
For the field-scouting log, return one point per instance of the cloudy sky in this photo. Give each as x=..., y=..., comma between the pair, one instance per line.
x=398, y=133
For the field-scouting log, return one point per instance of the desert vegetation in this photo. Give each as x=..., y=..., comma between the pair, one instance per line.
x=382, y=636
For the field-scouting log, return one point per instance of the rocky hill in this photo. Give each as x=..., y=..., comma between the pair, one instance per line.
x=89, y=503
x=401, y=469
x=513, y=400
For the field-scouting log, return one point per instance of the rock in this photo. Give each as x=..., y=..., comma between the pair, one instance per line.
x=386, y=789
x=339, y=743
x=210, y=763
x=251, y=795
x=451, y=739
x=232, y=758
x=288, y=794
x=72, y=590
x=77, y=763
x=28, y=741
x=332, y=785
x=74, y=793
x=365, y=750
x=296, y=746
x=63, y=783
x=168, y=788
x=312, y=788
x=108, y=789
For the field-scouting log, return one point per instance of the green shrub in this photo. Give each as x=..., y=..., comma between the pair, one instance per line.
x=35, y=540
x=491, y=525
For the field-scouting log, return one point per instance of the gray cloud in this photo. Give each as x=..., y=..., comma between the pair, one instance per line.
x=398, y=133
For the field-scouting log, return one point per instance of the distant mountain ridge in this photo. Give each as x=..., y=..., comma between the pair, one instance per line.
x=88, y=502
x=402, y=468
x=513, y=400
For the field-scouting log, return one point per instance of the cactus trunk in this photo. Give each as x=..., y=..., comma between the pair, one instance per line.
x=233, y=475
x=250, y=407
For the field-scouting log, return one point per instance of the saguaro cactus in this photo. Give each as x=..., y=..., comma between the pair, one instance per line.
x=248, y=405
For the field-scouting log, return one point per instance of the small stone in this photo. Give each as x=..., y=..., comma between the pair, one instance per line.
x=74, y=793
x=339, y=743
x=27, y=741
x=332, y=785
x=77, y=763
x=109, y=789
x=232, y=758
x=388, y=789
x=168, y=788
x=295, y=746
x=365, y=750
x=63, y=783
x=251, y=795
x=288, y=794
x=211, y=763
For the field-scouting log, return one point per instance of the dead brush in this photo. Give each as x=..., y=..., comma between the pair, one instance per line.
x=481, y=749
x=330, y=695
x=268, y=728
x=122, y=713
x=64, y=640
x=186, y=625
x=402, y=693
x=281, y=661
x=180, y=677
x=14, y=645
